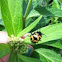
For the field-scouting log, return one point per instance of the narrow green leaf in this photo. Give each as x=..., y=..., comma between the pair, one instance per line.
x=38, y=56
x=25, y=2
x=28, y=22
x=49, y=11
x=28, y=59
x=56, y=4
x=51, y=32
x=12, y=15
x=0, y=13
x=49, y=55
x=37, y=2
x=60, y=1
x=30, y=27
x=33, y=13
x=57, y=44
x=27, y=9
x=4, y=50
x=43, y=59
x=13, y=57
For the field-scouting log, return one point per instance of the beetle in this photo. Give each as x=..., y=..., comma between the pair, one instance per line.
x=35, y=37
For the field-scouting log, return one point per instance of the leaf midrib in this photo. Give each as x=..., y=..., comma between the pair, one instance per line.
x=47, y=57
x=10, y=16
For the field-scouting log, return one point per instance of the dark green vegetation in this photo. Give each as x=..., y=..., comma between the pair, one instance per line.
x=23, y=16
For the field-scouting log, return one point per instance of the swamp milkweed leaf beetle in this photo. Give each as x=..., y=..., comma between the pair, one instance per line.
x=36, y=36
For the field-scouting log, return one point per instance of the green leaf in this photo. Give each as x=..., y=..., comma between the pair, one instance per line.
x=12, y=15
x=27, y=9
x=38, y=56
x=43, y=59
x=30, y=27
x=37, y=2
x=0, y=15
x=4, y=50
x=28, y=59
x=13, y=57
x=0, y=12
x=56, y=4
x=49, y=11
x=60, y=1
x=33, y=13
x=51, y=32
x=25, y=2
x=57, y=44
x=49, y=55
x=28, y=22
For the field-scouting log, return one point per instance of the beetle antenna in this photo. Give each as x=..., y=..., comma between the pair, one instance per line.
x=43, y=34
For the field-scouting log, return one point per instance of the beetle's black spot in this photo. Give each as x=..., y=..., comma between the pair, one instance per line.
x=34, y=42
x=31, y=38
x=39, y=38
x=35, y=38
x=39, y=33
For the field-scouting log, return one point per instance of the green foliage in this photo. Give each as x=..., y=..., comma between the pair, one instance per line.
x=49, y=11
x=57, y=44
x=50, y=25
x=0, y=13
x=60, y=1
x=52, y=32
x=4, y=50
x=56, y=4
x=13, y=57
x=27, y=9
x=40, y=57
x=30, y=27
x=50, y=55
x=12, y=15
x=28, y=59
x=37, y=2
x=33, y=13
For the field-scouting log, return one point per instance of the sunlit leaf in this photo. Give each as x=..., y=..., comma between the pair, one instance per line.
x=60, y=1
x=12, y=15
x=51, y=32
x=57, y=44
x=49, y=55
x=56, y=4
x=30, y=27
x=33, y=13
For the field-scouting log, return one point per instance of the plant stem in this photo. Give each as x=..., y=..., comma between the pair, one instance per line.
x=27, y=9
x=23, y=22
